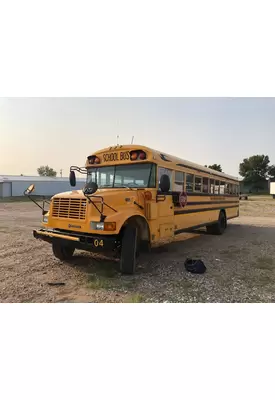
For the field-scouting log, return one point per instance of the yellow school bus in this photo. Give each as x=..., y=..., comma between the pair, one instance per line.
x=135, y=198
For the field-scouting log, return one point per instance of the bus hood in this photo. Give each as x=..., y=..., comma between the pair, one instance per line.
x=105, y=193
x=114, y=199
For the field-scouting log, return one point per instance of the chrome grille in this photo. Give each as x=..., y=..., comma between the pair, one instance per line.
x=69, y=208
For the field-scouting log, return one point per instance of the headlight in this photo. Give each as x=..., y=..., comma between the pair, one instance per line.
x=45, y=219
x=103, y=226
x=97, y=226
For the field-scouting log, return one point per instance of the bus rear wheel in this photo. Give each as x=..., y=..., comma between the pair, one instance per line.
x=129, y=250
x=219, y=227
x=62, y=252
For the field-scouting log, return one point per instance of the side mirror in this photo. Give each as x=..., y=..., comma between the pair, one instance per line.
x=90, y=188
x=29, y=190
x=164, y=183
x=72, y=178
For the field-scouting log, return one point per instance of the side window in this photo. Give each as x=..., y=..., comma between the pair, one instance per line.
x=217, y=187
x=198, y=184
x=222, y=188
x=205, y=184
x=189, y=183
x=227, y=189
x=179, y=181
x=165, y=171
x=212, y=186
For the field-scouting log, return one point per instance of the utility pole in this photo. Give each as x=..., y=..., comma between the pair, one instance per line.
x=61, y=172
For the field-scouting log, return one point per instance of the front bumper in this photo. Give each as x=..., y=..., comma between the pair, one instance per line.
x=84, y=241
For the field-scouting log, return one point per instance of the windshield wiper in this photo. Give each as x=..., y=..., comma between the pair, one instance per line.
x=123, y=186
x=116, y=187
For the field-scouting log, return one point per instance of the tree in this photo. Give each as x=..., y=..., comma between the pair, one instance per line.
x=216, y=167
x=271, y=171
x=255, y=168
x=45, y=170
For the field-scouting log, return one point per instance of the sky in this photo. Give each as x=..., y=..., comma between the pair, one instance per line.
x=62, y=132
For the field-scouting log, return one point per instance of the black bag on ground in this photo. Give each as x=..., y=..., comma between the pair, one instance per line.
x=195, y=266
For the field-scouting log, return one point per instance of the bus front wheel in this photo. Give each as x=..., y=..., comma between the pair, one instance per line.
x=219, y=227
x=62, y=252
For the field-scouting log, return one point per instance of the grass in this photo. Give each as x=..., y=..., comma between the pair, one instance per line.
x=264, y=262
x=233, y=250
x=135, y=298
x=256, y=242
x=99, y=282
x=261, y=197
x=20, y=199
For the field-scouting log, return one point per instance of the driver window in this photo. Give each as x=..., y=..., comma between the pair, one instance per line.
x=164, y=171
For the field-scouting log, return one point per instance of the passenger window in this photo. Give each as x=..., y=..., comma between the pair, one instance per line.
x=198, y=184
x=179, y=181
x=164, y=171
x=205, y=183
x=217, y=187
x=222, y=188
x=189, y=183
x=226, y=191
x=229, y=188
x=212, y=186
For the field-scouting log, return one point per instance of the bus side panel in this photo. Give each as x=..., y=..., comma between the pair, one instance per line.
x=193, y=216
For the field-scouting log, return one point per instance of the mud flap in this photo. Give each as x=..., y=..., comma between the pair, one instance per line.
x=128, y=250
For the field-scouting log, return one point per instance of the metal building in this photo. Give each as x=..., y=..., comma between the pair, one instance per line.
x=14, y=186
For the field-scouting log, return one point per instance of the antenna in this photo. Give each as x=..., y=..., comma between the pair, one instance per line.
x=132, y=139
x=117, y=139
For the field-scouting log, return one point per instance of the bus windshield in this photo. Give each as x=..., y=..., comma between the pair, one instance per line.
x=119, y=176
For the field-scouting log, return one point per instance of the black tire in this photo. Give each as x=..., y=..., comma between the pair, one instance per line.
x=62, y=252
x=219, y=227
x=129, y=250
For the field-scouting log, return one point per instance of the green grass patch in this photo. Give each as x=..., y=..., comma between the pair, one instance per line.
x=135, y=298
x=99, y=282
x=260, y=197
x=233, y=250
x=21, y=199
x=256, y=242
x=265, y=262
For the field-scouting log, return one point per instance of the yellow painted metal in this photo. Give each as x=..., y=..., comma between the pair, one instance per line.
x=57, y=235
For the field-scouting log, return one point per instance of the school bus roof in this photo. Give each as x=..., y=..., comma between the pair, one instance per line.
x=168, y=160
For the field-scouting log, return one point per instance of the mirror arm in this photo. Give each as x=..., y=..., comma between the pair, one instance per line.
x=35, y=202
x=82, y=170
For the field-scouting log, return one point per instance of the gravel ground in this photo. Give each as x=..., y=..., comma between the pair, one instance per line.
x=240, y=264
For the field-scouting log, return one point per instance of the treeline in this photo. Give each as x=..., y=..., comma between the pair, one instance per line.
x=255, y=170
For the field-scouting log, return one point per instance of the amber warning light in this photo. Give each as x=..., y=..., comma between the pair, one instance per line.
x=137, y=155
x=93, y=160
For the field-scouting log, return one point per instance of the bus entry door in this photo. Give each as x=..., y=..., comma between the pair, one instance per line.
x=165, y=215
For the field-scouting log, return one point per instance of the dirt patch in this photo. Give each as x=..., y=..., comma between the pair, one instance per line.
x=240, y=264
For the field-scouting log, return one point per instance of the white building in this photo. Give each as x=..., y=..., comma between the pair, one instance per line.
x=14, y=186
